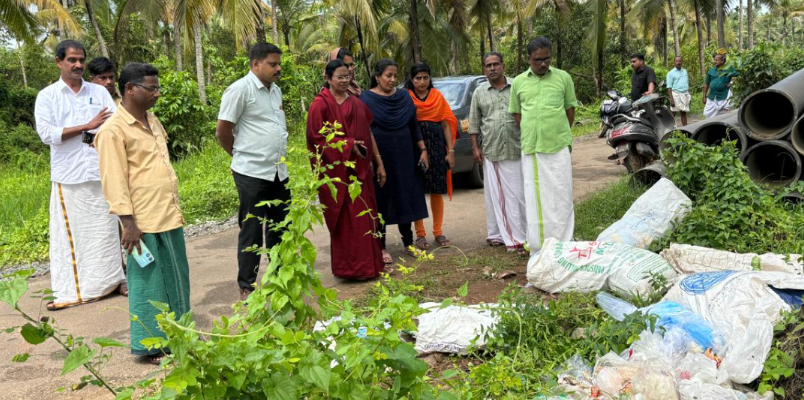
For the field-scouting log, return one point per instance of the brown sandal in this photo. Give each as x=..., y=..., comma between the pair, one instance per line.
x=442, y=241
x=386, y=258
x=123, y=289
x=421, y=243
x=155, y=359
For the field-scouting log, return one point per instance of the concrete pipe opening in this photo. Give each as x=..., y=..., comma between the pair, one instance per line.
x=797, y=135
x=773, y=163
x=793, y=197
x=767, y=114
x=715, y=133
x=651, y=174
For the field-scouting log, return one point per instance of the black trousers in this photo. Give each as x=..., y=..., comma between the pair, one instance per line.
x=253, y=191
x=405, y=230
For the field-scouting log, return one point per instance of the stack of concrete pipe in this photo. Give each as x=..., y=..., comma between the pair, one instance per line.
x=768, y=128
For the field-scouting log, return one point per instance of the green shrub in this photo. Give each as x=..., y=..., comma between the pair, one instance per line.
x=534, y=339
x=730, y=211
x=759, y=68
x=16, y=104
x=186, y=120
x=20, y=145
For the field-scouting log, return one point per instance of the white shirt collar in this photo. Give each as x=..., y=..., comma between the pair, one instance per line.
x=258, y=82
x=62, y=85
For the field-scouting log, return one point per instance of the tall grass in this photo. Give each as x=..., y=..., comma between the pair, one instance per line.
x=597, y=211
x=206, y=192
x=206, y=188
x=24, y=195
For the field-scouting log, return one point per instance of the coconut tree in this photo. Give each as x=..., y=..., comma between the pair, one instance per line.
x=359, y=20
x=288, y=14
x=721, y=17
x=274, y=27
x=456, y=10
x=785, y=9
x=481, y=13
x=597, y=36
x=89, y=6
x=561, y=10
x=749, y=16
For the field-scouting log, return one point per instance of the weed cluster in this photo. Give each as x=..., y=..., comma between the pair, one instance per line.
x=730, y=211
x=533, y=340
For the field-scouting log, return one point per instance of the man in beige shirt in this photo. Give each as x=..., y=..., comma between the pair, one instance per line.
x=141, y=188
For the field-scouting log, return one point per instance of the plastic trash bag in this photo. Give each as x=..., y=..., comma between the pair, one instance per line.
x=650, y=217
x=614, y=306
x=692, y=390
x=680, y=324
x=687, y=259
x=588, y=266
x=700, y=368
x=452, y=329
x=674, y=316
x=742, y=307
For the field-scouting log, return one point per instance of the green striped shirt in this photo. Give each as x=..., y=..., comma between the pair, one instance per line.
x=489, y=116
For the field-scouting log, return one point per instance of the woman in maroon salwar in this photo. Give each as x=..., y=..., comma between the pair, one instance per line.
x=356, y=252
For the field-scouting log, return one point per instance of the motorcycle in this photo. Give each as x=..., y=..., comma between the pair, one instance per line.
x=635, y=134
x=615, y=104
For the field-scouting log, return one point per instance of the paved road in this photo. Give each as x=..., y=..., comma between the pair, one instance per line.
x=213, y=271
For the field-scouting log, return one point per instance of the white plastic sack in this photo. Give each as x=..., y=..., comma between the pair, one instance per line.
x=692, y=390
x=650, y=217
x=740, y=306
x=687, y=259
x=589, y=266
x=452, y=329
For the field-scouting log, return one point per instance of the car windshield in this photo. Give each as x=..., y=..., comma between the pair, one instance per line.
x=452, y=91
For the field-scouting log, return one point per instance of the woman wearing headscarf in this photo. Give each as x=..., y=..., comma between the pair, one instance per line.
x=344, y=55
x=396, y=130
x=355, y=249
x=439, y=129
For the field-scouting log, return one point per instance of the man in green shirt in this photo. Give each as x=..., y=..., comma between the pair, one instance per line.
x=500, y=157
x=543, y=103
x=717, y=89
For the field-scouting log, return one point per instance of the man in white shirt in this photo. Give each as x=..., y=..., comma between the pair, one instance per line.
x=85, y=256
x=252, y=129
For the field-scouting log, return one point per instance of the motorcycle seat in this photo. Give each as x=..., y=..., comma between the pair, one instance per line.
x=621, y=118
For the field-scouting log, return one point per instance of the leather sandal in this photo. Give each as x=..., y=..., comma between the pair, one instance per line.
x=421, y=243
x=442, y=241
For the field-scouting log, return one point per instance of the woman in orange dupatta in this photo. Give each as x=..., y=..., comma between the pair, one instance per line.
x=439, y=129
x=356, y=251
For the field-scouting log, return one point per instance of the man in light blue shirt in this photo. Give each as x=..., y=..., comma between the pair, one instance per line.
x=678, y=89
x=252, y=128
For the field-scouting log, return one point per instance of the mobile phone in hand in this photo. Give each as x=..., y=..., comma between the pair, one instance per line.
x=87, y=137
x=362, y=149
x=423, y=166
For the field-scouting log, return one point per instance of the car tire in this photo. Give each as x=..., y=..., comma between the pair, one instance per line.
x=476, y=176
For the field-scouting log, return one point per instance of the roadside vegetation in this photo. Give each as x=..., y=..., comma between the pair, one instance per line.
x=269, y=348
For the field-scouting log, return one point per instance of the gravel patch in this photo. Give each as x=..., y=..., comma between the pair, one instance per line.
x=201, y=229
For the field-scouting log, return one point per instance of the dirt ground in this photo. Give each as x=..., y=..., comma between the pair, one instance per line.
x=213, y=272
